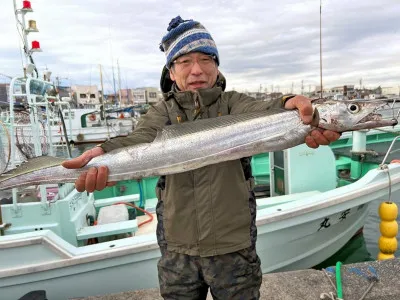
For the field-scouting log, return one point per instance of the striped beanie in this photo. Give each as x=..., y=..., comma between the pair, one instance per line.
x=185, y=36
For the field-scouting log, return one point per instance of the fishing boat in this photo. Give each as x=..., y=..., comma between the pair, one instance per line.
x=310, y=203
x=51, y=243
x=86, y=125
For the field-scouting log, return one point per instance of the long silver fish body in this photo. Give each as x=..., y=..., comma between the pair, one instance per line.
x=188, y=146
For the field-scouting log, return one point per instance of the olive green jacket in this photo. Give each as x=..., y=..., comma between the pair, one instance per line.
x=206, y=211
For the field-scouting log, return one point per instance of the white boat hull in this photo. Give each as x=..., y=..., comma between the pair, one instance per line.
x=293, y=235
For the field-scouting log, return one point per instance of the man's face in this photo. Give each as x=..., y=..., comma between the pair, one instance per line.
x=194, y=71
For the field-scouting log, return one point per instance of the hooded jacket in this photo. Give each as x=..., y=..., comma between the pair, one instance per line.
x=210, y=210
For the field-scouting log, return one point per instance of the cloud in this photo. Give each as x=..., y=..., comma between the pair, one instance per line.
x=260, y=42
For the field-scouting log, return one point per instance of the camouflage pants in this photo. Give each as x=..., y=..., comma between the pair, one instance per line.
x=230, y=276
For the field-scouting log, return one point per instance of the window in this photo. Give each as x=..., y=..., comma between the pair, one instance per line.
x=82, y=96
x=92, y=96
x=153, y=95
x=66, y=114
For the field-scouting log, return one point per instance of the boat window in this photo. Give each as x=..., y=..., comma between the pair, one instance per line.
x=66, y=114
x=38, y=87
x=82, y=96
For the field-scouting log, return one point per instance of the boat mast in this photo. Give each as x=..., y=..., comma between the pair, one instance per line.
x=103, y=110
x=23, y=32
x=119, y=84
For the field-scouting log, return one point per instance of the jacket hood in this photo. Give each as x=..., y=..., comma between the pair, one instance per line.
x=166, y=83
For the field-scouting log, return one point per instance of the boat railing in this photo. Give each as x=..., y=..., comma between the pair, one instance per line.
x=40, y=104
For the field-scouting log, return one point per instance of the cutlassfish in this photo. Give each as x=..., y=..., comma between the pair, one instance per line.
x=188, y=146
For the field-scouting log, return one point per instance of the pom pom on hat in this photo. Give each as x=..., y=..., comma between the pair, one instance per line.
x=185, y=36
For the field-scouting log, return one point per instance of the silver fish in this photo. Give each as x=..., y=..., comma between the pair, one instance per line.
x=188, y=146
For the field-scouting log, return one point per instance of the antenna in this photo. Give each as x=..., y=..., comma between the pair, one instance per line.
x=23, y=31
x=320, y=44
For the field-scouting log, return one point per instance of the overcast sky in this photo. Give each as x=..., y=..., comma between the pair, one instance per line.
x=268, y=43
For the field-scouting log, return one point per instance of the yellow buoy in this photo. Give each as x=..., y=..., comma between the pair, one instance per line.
x=387, y=245
x=389, y=228
x=382, y=256
x=388, y=211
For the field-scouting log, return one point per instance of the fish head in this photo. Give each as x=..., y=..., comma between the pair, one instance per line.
x=350, y=115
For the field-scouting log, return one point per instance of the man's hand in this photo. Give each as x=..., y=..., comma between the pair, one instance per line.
x=95, y=178
x=317, y=136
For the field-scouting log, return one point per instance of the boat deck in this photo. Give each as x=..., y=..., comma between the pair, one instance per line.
x=148, y=227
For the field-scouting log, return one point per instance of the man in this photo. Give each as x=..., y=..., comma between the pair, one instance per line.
x=206, y=218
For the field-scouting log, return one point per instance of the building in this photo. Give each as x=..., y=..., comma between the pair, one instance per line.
x=85, y=94
x=146, y=95
x=152, y=95
x=126, y=97
x=139, y=96
x=392, y=90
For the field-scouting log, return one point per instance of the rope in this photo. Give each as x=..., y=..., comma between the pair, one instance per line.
x=5, y=149
x=386, y=169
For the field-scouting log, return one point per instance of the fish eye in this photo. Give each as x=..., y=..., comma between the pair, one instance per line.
x=353, y=108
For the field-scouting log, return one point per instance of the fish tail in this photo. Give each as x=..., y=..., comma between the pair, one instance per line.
x=34, y=171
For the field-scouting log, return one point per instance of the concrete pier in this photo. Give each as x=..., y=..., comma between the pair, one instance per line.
x=308, y=284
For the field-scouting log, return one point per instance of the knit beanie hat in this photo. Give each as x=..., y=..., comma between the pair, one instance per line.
x=185, y=36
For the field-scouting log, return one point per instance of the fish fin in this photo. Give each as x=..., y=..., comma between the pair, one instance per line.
x=32, y=164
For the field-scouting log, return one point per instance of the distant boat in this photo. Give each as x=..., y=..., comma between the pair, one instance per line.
x=85, y=125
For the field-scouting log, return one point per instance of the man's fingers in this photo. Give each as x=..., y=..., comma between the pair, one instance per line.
x=319, y=137
x=310, y=142
x=303, y=105
x=80, y=182
x=91, y=178
x=306, y=111
x=331, y=136
x=83, y=159
x=102, y=176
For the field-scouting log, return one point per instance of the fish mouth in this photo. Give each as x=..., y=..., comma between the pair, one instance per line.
x=376, y=120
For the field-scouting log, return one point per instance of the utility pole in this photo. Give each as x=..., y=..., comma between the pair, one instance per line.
x=291, y=90
x=302, y=87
